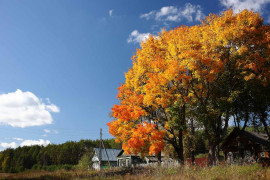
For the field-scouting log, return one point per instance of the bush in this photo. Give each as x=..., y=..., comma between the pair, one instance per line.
x=53, y=168
x=85, y=162
x=20, y=169
x=37, y=167
x=67, y=167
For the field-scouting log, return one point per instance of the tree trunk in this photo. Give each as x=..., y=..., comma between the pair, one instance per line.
x=217, y=155
x=182, y=118
x=262, y=119
x=180, y=152
x=192, y=134
x=246, y=120
x=159, y=158
x=211, y=154
x=192, y=158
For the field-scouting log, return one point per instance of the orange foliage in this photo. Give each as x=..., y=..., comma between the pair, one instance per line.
x=177, y=66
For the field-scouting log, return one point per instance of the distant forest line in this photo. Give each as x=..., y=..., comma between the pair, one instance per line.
x=53, y=156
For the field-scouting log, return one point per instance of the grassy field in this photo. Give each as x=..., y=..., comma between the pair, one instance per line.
x=216, y=172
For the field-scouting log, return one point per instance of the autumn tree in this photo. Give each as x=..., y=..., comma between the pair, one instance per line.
x=199, y=72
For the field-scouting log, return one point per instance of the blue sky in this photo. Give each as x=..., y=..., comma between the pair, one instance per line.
x=62, y=61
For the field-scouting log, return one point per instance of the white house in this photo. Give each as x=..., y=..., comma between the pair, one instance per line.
x=105, y=160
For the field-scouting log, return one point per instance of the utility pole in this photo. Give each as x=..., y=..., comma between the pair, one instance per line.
x=106, y=154
x=100, y=149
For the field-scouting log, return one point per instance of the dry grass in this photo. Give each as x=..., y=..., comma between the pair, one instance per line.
x=217, y=173
x=233, y=172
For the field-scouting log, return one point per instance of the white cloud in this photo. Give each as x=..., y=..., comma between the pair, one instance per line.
x=18, y=139
x=173, y=14
x=238, y=5
x=136, y=37
x=111, y=12
x=47, y=130
x=52, y=108
x=24, y=109
x=170, y=12
x=40, y=142
x=199, y=15
x=28, y=142
x=147, y=16
x=191, y=10
x=9, y=145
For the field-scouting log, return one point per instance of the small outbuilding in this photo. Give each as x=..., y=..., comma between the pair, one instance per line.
x=108, y=158
x=245, y=145
x=127, y=160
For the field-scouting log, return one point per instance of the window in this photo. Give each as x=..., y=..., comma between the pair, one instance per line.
x=127, y=162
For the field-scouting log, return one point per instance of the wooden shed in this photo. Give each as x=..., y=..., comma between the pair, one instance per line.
x=240, y=144
x=127, y=160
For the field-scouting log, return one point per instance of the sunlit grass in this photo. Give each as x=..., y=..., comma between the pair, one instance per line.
x=221, y=172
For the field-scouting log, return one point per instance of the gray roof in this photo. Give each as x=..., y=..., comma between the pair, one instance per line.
x=122, y=152
x=263, y=136
x=112, y=153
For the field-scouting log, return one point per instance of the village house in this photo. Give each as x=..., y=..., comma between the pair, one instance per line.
x=108, y=158
x=245, y=145
x=127, y=160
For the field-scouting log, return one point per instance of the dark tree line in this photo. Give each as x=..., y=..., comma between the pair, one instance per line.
x=37, y=157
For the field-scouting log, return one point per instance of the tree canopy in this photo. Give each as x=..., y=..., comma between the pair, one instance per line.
x=205, y=73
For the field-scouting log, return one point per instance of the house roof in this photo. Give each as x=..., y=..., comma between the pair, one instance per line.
x=112, y=153
x=152, y=159
x=259, y=138
x=122, y=152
